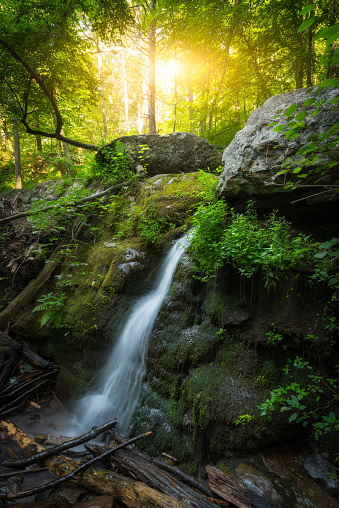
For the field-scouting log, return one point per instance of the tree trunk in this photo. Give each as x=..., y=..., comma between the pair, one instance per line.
x=190, y=108
x=309, y=60
x=38, y=138
x=3, y=135
x=125, y=86
x=17, y=158
x=103, y=104
x=151, y=73
x=16, y=140
x=299, y=73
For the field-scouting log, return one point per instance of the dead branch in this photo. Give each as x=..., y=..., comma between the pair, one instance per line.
x=92, y=434
x=189, y=480
x=227, y=489
x=110, y=190
x=5, y=476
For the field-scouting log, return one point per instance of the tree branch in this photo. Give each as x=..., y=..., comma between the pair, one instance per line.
x=39, y=81
x=110, y=190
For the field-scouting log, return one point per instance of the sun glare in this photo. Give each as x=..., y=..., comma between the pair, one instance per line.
x=168, y=69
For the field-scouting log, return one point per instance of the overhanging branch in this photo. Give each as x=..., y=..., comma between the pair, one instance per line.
x=39, y=81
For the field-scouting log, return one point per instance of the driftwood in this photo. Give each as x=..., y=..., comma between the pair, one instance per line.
x=14, y=396
x=188, y=480
x=227, y=489
x=92, y=434
x=93, y=197
x=133, y=494
x=140, y=467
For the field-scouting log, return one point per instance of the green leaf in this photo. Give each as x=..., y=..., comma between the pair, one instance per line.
x=301, y=116
x=306, y=10
x=306, y=24
x=293, y=417
x=309, y=101
x=332, y=39
x=320, y=255
x=291, y=109
x=324, y=33
x=329, y=82
x=278, y=128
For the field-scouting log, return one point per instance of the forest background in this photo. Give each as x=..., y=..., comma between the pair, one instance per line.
x=76, y=74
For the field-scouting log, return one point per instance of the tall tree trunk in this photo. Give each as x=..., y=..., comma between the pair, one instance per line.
x=3, y=135
x=309, y=61
x=299, y=73
x=124, y=78
x=16, y=140
x=237, y=110
x=102, y=87
x=38, y=138
x=175, y=92
x=151, y=73
x=17, y=158
x=190, y=108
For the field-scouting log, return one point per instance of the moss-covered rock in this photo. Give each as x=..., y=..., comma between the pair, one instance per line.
x=104, y=273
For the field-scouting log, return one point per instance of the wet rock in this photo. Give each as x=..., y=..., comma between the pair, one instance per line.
x=254, y=480
x=97, y=502
x=284, y=461
x=3, y=435
x=67, y=495
x=321, y=470
x=172, y=153
x=310, y=496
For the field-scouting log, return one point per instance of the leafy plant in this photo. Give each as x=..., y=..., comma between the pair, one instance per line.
x=223, y=236
x=113, y=165
x=308, y=401
x=52, y=306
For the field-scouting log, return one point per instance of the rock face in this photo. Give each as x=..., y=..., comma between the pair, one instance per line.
x=173, y=153
x=255, y=156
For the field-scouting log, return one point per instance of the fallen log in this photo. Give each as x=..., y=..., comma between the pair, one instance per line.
x=189, y=480
x=25, y=352
x=132, y=493
x=8, y=359
x=42, y=455
x=227, y=489
x=32, y=287
x=141, y=468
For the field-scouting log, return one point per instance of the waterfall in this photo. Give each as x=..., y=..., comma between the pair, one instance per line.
x=126, y=367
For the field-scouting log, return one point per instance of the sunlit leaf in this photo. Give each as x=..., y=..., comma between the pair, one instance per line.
x=306, y=10
x=306, y=24
x=301, y=116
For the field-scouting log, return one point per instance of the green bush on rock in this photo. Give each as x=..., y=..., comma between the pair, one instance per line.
x=242, y=240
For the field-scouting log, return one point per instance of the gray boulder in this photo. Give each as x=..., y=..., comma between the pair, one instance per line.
x=255, y=156
x=172, y=153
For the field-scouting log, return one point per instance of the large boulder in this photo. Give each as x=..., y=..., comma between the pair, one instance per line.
x=172, y=153
x=256, y=154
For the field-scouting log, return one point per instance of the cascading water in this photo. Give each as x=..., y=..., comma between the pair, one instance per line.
x=126, y=367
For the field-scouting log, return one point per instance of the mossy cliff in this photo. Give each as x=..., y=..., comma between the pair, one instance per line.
x=113, y=263
x=211, y=356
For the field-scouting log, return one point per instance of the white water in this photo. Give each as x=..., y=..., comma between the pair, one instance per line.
x=126, y=367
